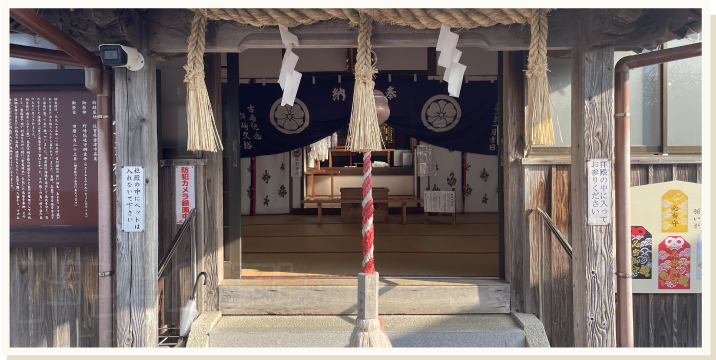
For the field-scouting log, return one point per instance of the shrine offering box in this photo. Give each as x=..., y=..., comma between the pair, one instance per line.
x=352, y=212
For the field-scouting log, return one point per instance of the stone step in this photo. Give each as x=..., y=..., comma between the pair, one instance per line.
x=480, y=330
x=397, y=296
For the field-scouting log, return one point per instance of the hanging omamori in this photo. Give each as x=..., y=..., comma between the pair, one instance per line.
x=538, y=109
x=202, y=132
x=364, y=131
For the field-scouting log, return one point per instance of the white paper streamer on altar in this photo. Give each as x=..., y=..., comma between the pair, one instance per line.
x=450, y=59
x=289, y=79
x=319, y=149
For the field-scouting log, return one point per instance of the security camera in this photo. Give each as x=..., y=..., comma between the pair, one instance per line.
x=121, y=56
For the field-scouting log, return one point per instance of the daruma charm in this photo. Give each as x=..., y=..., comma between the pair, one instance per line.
x=381, y=106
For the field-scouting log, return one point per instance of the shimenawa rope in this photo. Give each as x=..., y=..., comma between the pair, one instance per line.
x=202, y=131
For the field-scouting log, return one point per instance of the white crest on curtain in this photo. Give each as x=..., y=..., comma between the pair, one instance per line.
x=441, y=113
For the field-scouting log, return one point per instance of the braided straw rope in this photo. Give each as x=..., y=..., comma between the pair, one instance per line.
x=537, y=82
x=202, y=131
x=363, y=130
x=416, y=18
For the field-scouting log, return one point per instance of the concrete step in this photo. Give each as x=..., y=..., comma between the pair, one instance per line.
x=480, y=330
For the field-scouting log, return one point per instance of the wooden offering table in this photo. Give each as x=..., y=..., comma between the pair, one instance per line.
x=353, y=211
x=343, y=149
x=320, y=172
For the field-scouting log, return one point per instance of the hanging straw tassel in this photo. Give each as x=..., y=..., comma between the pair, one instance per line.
x=537, y=82
x=363, y=131
x=202, y=132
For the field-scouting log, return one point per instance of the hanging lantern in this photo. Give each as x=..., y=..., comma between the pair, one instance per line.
x=381, y=106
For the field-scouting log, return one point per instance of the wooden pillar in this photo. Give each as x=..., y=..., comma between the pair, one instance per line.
x=592, y=138
x=234, y=166
x=516, y=245
x=136, y=138
x=213, y=259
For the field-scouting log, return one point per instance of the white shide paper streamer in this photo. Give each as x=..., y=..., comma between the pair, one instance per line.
x=450, y=59
x=288, y=78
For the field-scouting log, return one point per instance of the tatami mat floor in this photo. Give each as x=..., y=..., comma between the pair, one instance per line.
x=296, y=246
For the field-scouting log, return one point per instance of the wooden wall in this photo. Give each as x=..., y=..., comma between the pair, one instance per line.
x=660, y=320
x=53, y=297
x=547, y=186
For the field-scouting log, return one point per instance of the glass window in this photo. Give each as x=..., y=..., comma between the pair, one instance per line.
x=644, y=103
x=560, y=95
x=683, y=94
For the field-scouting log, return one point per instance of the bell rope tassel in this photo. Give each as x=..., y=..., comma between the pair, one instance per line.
x=369, y=328
x=367, y=225
x=538, y=109
x=363, y=131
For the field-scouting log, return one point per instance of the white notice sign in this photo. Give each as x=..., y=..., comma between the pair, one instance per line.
x=185, y=192
x=599, y=172
x=296, y=163
x=132, y=198
x=439, y=201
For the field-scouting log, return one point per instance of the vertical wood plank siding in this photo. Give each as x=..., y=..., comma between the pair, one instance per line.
x=516, y=244
x=53, y=297
x=660, y=320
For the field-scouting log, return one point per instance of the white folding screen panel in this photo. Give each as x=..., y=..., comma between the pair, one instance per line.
x=272, y=184
x=246, y=189
x=481, y=183
x=449, y=174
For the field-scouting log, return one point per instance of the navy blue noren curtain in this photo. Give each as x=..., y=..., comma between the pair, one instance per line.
x=420, y=109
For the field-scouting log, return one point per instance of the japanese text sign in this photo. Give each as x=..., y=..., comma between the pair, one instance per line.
x=132, y=196
x=185, y=192
x=599, y=172
x=439, y=201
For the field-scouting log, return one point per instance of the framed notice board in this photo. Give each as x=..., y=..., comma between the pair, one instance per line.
x=53, y=161
x=666, y=223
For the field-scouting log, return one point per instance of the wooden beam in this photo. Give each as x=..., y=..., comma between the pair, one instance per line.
x=592, y=138
x=136, y=139
x=170, y=28
x=514, y=178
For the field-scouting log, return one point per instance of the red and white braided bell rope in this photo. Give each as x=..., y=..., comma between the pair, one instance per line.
x=368, y=231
